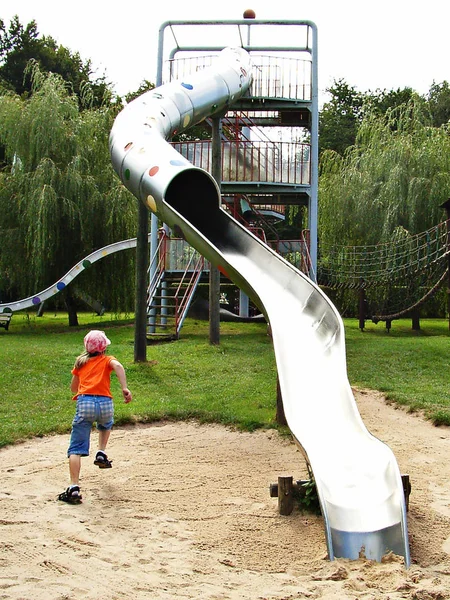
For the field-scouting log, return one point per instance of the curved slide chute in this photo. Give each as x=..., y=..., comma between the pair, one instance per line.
x=357, y=476
x=57, y=287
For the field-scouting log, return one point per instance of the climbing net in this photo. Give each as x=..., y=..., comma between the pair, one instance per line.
x=397, y=276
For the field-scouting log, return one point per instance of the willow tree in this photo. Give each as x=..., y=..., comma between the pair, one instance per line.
x=396, y=175
x=60, y=195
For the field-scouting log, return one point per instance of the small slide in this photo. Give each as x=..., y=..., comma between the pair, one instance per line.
x=357, y=476
x=57, y=287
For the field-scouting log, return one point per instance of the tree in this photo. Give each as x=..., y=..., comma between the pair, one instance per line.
x=60, y=195
x=380, y=101
x=396, y=175
x=339, y=118
x=144, y=86
x=19, y=45
x=439, y=102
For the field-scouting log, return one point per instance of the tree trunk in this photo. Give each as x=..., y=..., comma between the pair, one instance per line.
x=415, y=320
x=71, y=308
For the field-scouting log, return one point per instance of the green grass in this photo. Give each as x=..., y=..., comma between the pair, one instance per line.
x=409, y=367
x=233, y=383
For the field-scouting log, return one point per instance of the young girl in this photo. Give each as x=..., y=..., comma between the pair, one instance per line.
x=91, y=384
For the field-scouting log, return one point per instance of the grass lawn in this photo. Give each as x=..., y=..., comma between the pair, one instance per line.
x=408, y=367
x=233, y=383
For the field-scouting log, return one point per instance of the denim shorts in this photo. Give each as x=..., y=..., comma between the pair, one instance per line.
x=90, y=409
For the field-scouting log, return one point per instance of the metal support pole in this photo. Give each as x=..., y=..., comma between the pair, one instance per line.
x=314, y=187
x=214, y=274
x=243, y=304
x=140, y=323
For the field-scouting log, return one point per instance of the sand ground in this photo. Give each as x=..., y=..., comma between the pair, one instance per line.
x=185, y=513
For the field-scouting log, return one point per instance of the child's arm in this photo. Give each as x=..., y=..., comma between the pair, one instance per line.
x=74, y=384
x=120, y=372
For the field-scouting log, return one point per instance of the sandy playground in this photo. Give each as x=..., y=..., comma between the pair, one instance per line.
x=185, y=513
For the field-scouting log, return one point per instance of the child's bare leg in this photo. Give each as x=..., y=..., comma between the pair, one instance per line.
x=74, y=468
x=103, y=437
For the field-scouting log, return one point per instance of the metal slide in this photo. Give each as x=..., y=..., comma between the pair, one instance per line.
x=357, y=476
x=57, y=287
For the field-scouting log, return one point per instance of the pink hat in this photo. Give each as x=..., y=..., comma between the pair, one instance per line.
x=96, y=341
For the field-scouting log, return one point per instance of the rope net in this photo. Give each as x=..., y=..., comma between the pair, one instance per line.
x=397, y=276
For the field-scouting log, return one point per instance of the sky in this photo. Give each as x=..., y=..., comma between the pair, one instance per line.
x=388, y=44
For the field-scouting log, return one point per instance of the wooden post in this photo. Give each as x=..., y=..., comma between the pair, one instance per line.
x=285, y=495
x=446, y=206
x=362, y=304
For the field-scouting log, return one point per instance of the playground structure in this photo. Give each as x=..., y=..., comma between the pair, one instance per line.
x=37, y=299
x=392, y=280
x=268, y=147
x=357, y=477
x=418, y=261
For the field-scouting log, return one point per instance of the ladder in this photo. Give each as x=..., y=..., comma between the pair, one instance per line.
x=170, y=292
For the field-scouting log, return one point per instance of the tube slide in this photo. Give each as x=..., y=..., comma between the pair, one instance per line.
x=358, y=479
x=57, y=287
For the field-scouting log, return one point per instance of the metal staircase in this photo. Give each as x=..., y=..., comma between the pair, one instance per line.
x=171, y=289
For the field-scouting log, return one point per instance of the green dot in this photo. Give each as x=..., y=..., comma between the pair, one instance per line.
x=127, y=174
x=86, y=263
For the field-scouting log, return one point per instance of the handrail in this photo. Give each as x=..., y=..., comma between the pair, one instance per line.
x=262, y=162
x=275, y=76
x=160, y=258
x=183, y=305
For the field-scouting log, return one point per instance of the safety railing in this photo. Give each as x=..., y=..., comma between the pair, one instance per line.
x=262, y=162
x=157, y=265
x=186, y=288
x=183, y=257
x=168, y=298
x=295, y=251
x=273, y=76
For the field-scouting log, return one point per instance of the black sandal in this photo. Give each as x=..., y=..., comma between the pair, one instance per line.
x=101, y=460
x=71, y=495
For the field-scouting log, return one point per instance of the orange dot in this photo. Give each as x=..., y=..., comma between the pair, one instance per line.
x=153, y=171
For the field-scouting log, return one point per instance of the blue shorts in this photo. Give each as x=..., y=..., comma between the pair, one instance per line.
x=90, y=409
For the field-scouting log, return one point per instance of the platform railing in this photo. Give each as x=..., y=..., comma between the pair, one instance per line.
x=262, y=162
x=180, y=256
x=274, y=76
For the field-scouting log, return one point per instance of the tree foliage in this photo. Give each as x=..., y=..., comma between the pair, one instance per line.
x=396, y=175
x=20, y=44
x=439, y=103
x=341, y=117
x=59, y=194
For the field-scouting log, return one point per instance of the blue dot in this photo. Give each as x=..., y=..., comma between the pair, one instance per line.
x=60, y=285
x=177, y=163
x=188, y=86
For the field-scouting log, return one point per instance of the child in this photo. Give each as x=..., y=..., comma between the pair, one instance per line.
x=91, y=379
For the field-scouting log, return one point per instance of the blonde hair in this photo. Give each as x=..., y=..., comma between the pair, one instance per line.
x=84, y=358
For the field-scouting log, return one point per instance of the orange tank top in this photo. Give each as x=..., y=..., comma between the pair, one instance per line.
x=95, y=376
